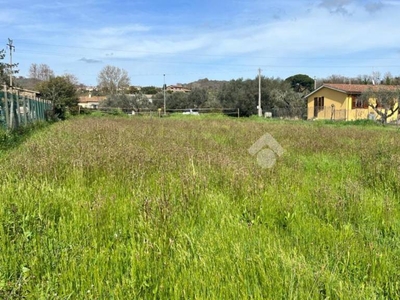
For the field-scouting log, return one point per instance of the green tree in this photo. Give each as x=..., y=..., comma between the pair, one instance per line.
x=5, y=69
x=197, y=97
x=212, y=100
x=3, y=66
x=239, y=94
x=177, y=100
x=383, y=100
x=173, y=100
x=62, y=93
x=277, y=96
x=301, y=83
x=158, y=100
x=127, y=102
x=149, y=90
x=287, y=103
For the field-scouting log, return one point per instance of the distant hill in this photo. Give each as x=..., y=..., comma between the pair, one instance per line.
x=205, y=83
x=26, y=83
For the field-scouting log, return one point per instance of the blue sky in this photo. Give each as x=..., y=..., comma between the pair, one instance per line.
x=218, y=40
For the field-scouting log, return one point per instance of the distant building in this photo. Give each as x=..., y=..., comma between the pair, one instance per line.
x=177, y=88
x=27, y=93
x=91, y=101
x=149, y=98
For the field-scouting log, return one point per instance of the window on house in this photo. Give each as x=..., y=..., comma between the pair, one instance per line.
x=319, y=102
x=356, y=102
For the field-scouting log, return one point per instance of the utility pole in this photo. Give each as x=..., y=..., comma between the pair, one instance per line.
x=165, y=107
x=259, y=93
x=12, y=48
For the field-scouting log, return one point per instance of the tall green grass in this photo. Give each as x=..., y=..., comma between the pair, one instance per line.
x=12, y=138
x=116, y=208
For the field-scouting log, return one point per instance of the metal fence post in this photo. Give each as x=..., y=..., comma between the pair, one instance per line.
x=18, y=110
x=6, y=107
x=12, y=110
x=25, y=111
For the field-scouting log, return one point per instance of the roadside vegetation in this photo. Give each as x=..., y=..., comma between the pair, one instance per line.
x=172, y=208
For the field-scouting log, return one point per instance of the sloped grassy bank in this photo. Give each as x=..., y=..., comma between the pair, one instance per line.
x=100, y=208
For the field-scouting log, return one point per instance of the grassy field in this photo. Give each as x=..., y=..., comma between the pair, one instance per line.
x=116, y=208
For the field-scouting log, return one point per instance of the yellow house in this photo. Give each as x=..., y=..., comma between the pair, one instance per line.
x=342, y=102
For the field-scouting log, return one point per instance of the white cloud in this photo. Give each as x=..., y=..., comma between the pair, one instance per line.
x=117, y=31
x=318, y=35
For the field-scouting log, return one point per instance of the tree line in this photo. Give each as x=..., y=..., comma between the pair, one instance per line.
x=235, y=94
x=278, y=96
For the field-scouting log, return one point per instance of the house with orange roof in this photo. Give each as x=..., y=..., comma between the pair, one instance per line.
x=343, y=102
x=91, y=101
x=177, y=88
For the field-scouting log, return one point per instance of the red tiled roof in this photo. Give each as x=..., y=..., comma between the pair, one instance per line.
x=353, y=88
x=91, y=99
x=358, y=88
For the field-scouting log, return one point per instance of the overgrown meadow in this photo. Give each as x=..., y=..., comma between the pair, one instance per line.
x=148, y=208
